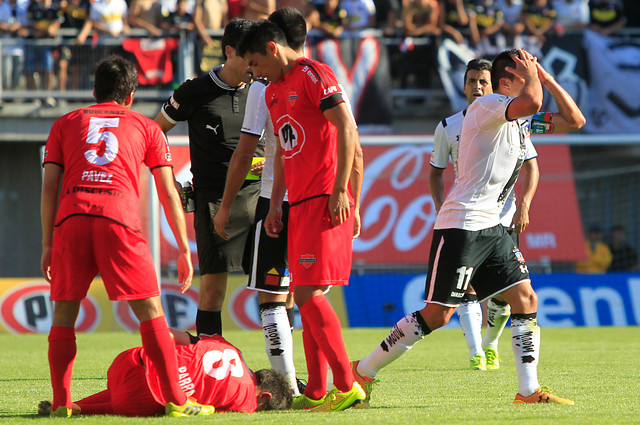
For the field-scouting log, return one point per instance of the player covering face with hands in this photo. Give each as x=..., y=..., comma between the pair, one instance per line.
x=470, y=246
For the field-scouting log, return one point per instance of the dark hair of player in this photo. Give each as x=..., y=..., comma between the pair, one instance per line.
x=292, y=23
x=477, y=65
x=275, y=383
x=257, y=37
x=503, y=60
x=115, y=79
x=233, y=32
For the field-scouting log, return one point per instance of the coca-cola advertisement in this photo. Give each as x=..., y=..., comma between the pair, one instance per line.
x=398, y=213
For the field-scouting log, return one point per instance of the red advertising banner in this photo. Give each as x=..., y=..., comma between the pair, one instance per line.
x=398, y=213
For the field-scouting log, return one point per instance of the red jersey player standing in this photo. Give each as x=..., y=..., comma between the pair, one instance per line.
x=320, y=157
x=96, y=153
x=211, y=370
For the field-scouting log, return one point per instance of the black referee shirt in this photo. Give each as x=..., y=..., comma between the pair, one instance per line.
x=214, y=112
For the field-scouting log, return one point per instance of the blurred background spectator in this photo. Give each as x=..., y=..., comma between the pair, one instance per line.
x=388, y=16
x=485, y=22
x=598, y=254
x=538, y=17
x=106, y=18
x=257, y=9
x=73, y=58
x=44, y=18
x=625, y=258
x=328, y=19
x=571, y=15
x=512, y=25
x=607, y=16
x=454, y=19
x=178, y=20
x=361, y=14
x=146, y=14
x=13, y=27
x=209, y=15
x=421, y=21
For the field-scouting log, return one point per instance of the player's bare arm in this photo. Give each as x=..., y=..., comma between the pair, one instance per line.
x=170, y=200
x=520, y=219
x=528, y=100
x=239, y=166
x=48, y=209
x=569, y=117
x=436, y=186
x=273, y=222
x=164, y=123
x=357, y=175
x=347, y=139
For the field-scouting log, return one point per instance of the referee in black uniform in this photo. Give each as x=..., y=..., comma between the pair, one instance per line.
x=213, y=106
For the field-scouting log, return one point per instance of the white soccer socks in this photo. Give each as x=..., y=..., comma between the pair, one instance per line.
x=470, y=315
x=404, y=335
x=498, y=313
x=279, y=341
x=525, y=340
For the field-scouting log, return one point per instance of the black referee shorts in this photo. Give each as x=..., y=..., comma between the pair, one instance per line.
x=215, y=255
x=268, y=267
x=487, y=259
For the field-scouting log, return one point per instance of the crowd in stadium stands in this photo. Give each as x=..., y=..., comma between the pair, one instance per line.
x=601, y=257
x=486, y=26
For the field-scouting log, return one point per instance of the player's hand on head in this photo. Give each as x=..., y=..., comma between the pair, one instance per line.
x=525, y=65
x=543, y=75
x=220, y=221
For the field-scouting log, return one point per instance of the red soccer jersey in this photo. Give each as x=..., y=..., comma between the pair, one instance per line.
x=308, y=140
x=101, y=148
x=213, y=372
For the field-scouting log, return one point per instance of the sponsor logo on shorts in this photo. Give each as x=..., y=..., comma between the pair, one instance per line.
x=457, y=294
x=307, y=260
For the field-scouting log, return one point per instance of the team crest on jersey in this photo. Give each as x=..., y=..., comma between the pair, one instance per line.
x=173, y=103
x=293, y=96
x=518, y=255
x=307, y=260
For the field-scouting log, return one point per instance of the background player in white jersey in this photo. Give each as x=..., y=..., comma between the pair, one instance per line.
x=269, y=273
x=477, y=82
x=469, y=244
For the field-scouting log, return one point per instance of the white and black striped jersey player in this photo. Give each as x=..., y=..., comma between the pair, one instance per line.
x=483, y=354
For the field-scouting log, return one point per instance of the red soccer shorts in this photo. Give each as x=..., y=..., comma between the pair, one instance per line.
x=319, y=252
x=127, y=383
x=85, y=245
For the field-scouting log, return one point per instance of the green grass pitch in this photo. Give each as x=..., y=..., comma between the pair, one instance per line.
x=599, y=368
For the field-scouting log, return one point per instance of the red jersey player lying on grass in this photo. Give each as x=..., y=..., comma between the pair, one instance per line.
x=211, y=370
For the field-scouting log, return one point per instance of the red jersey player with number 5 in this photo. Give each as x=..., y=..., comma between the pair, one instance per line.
x=96, y=154
x=321, y=162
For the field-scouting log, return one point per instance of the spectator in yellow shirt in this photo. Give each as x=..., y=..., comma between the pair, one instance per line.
x=598, y=253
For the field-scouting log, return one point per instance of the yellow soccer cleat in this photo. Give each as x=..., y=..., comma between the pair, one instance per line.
x=190, y=408
x=365, y=383
x=337, y=400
